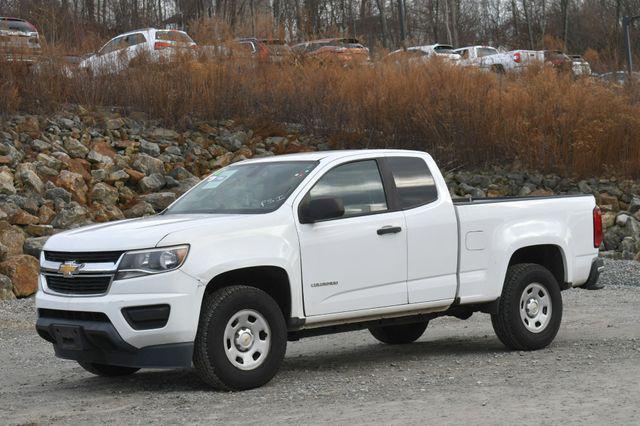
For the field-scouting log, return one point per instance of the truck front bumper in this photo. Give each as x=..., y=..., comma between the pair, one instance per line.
x=141, y=322
x=99, y=342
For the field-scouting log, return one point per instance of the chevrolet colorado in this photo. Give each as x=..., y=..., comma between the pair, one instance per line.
x=271, y=250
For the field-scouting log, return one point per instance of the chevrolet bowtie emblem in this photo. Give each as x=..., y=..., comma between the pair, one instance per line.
x=68, y=269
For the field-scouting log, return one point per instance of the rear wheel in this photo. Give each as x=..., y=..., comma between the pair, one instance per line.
x=497, y=68
x=241, y=339
x=106, y=370
x=399, y=334
x=530, y=308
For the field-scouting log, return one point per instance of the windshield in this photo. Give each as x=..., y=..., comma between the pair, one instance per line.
x=244, y=188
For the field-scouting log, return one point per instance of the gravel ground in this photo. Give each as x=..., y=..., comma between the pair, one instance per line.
x=457, y=372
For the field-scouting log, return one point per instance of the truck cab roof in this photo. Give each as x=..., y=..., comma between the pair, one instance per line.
x=335, y=155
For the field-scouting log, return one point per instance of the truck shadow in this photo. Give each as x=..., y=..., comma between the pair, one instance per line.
x=360, y=356
x=379, y=354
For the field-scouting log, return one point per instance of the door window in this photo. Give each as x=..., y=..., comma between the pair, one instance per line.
x=135, y=39
x=113, y=45
x=358, y=185
x=414, y=182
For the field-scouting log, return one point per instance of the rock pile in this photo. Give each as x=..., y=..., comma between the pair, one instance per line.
x=81, y=167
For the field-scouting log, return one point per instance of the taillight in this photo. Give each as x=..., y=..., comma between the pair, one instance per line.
x=517, y=57
x=597, y=227
x=161, y=45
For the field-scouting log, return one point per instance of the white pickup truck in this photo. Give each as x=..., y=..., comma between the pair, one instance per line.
x=488, y=58
x=271, y=250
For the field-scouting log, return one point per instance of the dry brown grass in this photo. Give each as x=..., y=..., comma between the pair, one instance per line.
x=542, y=120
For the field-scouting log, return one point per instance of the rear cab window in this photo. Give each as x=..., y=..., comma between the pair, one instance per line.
x=413, y=181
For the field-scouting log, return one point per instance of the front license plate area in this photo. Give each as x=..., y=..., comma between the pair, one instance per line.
x=68, y=336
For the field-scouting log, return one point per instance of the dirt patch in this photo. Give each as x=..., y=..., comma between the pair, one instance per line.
x=458, y=372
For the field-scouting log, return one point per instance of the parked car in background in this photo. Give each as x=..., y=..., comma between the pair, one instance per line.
x=345, y=51
x=558, y=60
x=484, y=57
x=267, y=49
x=579, y=66
x=118, y=52
x=19, y=41
x=522, y=59
x=618, y=78
x=420, y=54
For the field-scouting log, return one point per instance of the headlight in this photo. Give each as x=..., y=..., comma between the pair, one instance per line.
x=148, y=262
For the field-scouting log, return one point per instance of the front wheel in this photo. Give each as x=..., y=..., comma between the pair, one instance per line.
x=530, y=308
x=241, y=339
x=105, y=370
x=399, y=334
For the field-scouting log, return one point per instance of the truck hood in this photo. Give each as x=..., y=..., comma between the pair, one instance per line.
x=134, y=233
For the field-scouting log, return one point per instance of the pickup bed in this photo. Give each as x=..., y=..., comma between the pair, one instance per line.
x=272, y=250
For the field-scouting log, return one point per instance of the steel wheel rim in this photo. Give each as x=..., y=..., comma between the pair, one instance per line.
x=247, y=339
x=535, y=307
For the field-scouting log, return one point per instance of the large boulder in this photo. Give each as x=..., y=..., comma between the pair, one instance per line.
x=104, y=194
x=12, y=238
x=56, y=193
x=152, y=183
x=28, y=178
x=33, y=246
x=75, y=148
x=106, y=213
x=141, y=208
x=74, y=183
x=150, y=148
x=6, y=288
x=606, y=199
x=72, y=215
x=147, y=164
x=22, y=270
x=159, y=200
x=17, y=216
x=6, y=183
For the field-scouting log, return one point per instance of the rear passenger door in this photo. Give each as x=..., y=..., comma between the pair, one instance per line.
x=432, y=230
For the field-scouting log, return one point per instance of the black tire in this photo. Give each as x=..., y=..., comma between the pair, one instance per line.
x=210, y=358
x=498, y=69
x=399, y=334
x=106, y=370
x=508, y=323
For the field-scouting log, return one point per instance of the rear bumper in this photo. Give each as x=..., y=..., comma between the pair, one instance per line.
x=99, y=342
x=592, y=282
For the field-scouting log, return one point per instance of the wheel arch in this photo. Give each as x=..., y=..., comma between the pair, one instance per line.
x=550, y=256
x=273, y=280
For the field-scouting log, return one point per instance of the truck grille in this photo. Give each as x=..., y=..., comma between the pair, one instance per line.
x=79, y=284
x=83, y=257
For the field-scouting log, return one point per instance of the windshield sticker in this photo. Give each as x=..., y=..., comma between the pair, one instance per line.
x=217, y=178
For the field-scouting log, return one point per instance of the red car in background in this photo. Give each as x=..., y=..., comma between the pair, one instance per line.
x=19, y=41
x=341, y=50
x=264, y=49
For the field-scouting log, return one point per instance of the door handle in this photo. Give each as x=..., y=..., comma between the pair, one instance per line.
x=389, y=230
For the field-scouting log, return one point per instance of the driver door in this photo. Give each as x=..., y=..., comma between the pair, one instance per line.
x=357, y=261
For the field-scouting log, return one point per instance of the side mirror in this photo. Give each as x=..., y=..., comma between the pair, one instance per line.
x=320, y=209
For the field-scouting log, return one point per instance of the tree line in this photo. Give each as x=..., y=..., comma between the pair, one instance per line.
x=575, y=26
